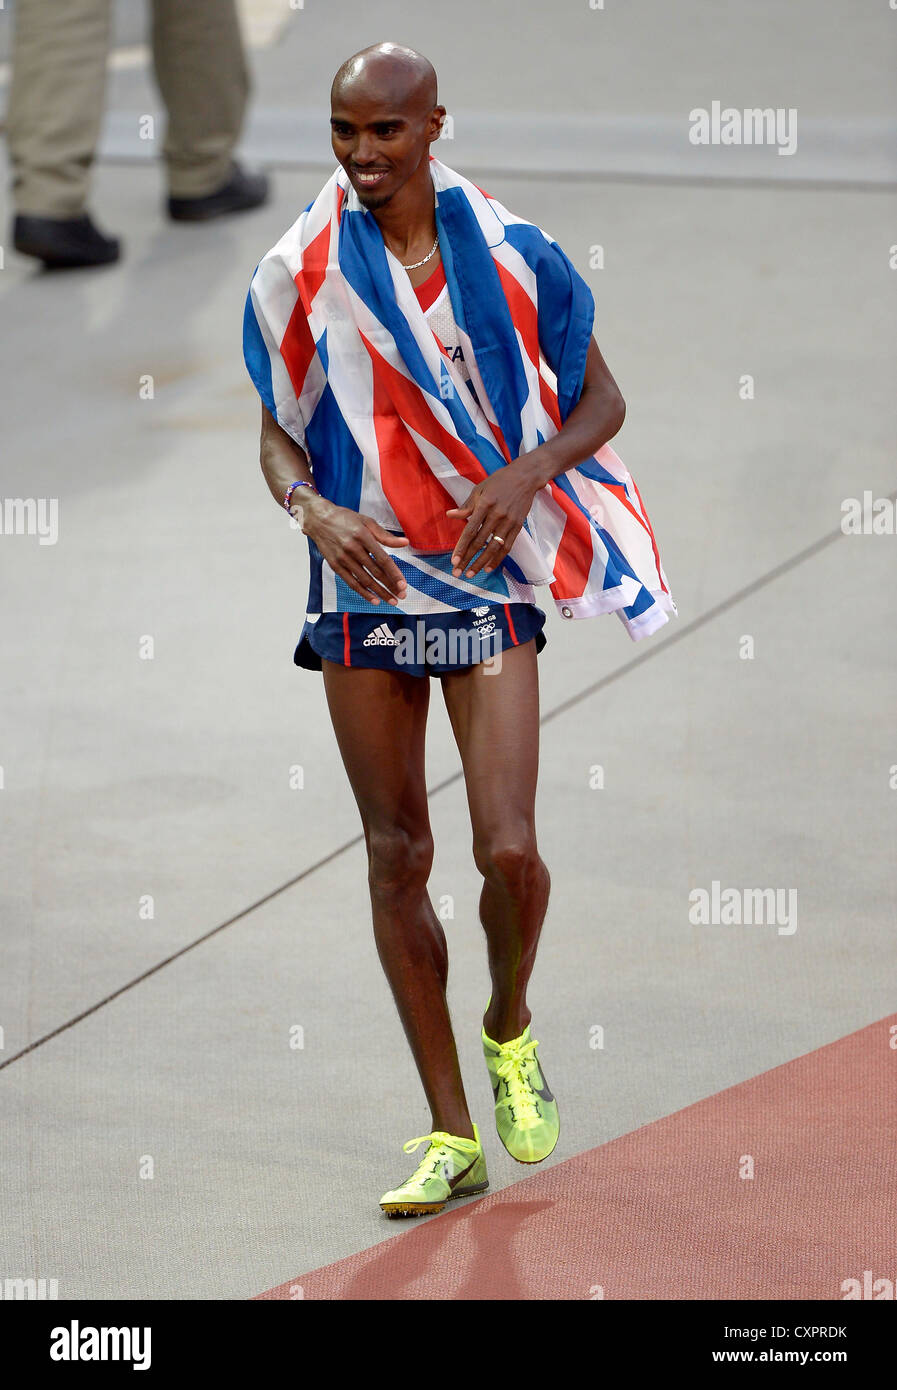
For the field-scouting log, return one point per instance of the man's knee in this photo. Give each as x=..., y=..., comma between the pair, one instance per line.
x=512, y=859
x=399, y=861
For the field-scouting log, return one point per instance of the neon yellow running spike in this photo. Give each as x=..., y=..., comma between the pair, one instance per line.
x=526, y=1113
x=451, y=1167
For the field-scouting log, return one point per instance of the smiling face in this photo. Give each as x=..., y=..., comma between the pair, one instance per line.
x=383, y=119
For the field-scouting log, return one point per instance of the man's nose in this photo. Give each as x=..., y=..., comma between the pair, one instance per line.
x=365, y=150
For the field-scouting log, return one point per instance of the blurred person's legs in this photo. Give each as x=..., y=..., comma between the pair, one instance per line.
x=55, y=114
x=56, y=103
x=53, y=124
x=203, y=77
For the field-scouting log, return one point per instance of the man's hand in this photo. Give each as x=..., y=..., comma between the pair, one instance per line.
x=352, y=545
x=502, y=501
x=497, y=506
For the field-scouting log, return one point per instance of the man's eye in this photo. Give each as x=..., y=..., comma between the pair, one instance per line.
x=386, y=130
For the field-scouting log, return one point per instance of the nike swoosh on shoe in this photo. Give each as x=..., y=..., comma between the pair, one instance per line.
x=544, y=1093
x=453, y=1182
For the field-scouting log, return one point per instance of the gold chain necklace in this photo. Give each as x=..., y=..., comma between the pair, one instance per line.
x=431, y=252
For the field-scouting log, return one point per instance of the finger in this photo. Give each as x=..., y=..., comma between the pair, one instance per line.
x=380, y=534
x=464, y=510
x=350, y=578
x=384, y=571
x=487, y=556
x=378, y=560
x=467, y=544
x=381, y=564
x=497, y=550
x=466, y=507
x=367, y=568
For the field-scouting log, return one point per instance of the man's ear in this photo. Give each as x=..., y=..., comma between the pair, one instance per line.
x=437, y=116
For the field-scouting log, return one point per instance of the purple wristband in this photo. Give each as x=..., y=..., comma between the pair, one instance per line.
x=292, y=488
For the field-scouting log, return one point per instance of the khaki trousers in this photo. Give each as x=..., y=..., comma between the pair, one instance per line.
x=56, y=99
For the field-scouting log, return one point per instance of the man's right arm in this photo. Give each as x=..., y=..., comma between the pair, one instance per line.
x=284, y=462
x=351, y=543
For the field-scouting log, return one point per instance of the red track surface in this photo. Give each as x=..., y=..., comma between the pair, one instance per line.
x=662, y=1213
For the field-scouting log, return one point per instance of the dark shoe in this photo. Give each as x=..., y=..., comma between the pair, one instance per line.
x=242, y=191
x=63, y=242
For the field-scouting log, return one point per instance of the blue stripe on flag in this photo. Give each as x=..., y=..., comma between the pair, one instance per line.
x=362, y=258
x=644, y=601
x=591, y=468
x=336, y=459
x=255, y=354
x=566, y=310
x=321, y=349
x=617, y=565
x=479, y=301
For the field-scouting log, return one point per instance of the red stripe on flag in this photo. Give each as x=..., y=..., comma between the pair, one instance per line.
x=414, y=492
x=297, y=347
x=500, y=440
x=549, y=402
x=620, y=492
x=523, y=312
x=574, y=559
x=575, y=552
x=310, y=277
x=646, y=522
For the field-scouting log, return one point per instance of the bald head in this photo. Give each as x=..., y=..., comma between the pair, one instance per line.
x=388, y=73
x=383, y=118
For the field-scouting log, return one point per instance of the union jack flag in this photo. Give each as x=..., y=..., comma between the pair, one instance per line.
x=340, y=352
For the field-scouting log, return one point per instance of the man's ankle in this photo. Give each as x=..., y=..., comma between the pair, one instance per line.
x=504, y=1028
x=462, y=1130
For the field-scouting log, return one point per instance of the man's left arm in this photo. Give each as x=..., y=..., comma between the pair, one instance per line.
x=501, y=503
x=597, y=416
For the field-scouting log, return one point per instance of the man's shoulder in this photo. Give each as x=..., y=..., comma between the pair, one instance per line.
x=294, y=234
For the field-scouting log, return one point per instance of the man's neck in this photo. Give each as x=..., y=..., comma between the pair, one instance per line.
x=409, y=219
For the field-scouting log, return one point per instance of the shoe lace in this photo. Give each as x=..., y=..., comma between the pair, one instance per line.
x=438, y=1140
x=514, y=1059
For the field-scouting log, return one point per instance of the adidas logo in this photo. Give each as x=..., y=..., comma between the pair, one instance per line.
x=380, y=637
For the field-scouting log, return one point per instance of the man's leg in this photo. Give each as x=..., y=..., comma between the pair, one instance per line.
x=495, y=719
x=380, y=718
x=56, y=103
x=202, y=74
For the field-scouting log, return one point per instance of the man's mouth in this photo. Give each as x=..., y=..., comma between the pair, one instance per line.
x=369, y=178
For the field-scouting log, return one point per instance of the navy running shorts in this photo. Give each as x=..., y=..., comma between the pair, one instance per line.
x=423, y=644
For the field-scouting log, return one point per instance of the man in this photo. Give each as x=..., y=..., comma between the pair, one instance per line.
x=422, y=347
x=56, y=108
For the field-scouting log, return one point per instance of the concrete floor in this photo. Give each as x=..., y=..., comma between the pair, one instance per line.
x=125, y=778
